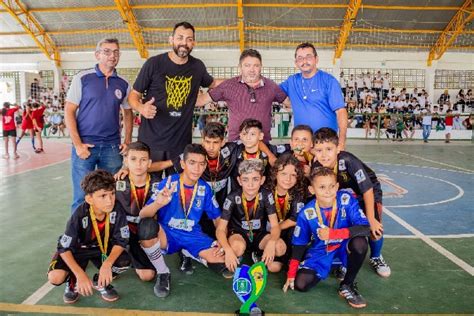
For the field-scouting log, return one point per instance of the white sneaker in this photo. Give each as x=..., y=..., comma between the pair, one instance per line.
x=382, y=268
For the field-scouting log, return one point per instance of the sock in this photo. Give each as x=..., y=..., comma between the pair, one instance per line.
x=376, y=247
x=156, y=258
x=33, y=142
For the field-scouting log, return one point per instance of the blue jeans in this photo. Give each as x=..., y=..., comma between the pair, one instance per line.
x=426, y=131
x=104, y=156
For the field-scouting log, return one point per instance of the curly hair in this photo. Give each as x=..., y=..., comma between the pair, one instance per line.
x=98, y=180
x=299, y=189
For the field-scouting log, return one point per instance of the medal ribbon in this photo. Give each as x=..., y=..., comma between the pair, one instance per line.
x=245, y=155
x=333, y=216
x=183, y=199
x=246, y=212
x=282, y=213
x=214, y=174
x=134, y=191
x=102, y=247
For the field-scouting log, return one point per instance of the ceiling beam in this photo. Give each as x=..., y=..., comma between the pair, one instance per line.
x=249, y=5
x=451, y=32
x=349, y=19
x=123, y=6
x=20, y=13
x=240, y=24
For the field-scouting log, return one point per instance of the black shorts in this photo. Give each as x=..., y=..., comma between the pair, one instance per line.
x=137, y=255
x=286, y=235
x=11, y=133
x=257, y=238
x=83, y=256
x=159, y=155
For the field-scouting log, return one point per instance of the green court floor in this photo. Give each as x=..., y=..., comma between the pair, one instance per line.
x=35, y=206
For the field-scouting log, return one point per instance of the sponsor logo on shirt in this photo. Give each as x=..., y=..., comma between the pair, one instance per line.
x=345, y=198
x=120, y=186
x=297, y=231
x=113, y=216
x=227, y=204
x=201, y=190
x=65, y=241
x=342, y=165
x=118, y=94
x=125, y=232
x=360, y=176
x=310, y=213
x=85, y=222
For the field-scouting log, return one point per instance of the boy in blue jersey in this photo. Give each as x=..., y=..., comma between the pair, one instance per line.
x=178, y=206
x=331, y=224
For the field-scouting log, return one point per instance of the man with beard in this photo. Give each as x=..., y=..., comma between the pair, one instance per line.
x=165, y=94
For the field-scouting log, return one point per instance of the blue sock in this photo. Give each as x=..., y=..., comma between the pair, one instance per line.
x=33, y=142
x=375, y=247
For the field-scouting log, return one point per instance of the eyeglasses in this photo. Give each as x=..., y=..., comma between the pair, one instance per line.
x=302, y=58
x=108, y=52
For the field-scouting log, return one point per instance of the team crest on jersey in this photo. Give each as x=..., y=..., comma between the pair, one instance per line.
x=280, y=149
x=113, y=216
x=342, y=165
x=120, y=186
x=227, y=204
x=343, y=212
x=360, y=176
x=198, y=203
x=154, y=187
x=125, y=232
x=214, y=202
x=299, y=207
x=65, y=241
x=297, y=231
x=225, y=152
x=176, y=186
x=85, y=222
x=345, y=198
x=271, y=199
x=238, y=200
x=310, y=213
x=201, y=190
x=118, y=94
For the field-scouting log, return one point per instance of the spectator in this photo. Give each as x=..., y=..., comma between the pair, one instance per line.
x=444, y=98
x=427, y=121
x=467, y=123
x=460, y=101
x=35, y=89
x=386, y=84
x=343, y=83
x=449, y=125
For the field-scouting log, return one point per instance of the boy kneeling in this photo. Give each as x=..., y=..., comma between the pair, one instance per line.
x=331, y=223
x=97, y=231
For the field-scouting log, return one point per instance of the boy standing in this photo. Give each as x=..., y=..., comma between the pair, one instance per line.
x=97, y=231
x=353, y=174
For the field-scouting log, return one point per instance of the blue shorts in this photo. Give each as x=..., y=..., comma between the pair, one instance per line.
x=321, y=261
x=194, y=242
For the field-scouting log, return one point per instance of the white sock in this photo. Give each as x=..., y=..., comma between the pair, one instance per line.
x=156, y=258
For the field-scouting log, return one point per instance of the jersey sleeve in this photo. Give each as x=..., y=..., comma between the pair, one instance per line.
x=218, y=93
x=121, y=232
x=207, y=79
x=125, y=104
x=211, y=206
x=145, y=76
x=269, y=202
x=302, y=232
x=357, y=216
x=74, y=95
x=227, y=209
x=356, y=170
x=335, y=99
x=69, y=240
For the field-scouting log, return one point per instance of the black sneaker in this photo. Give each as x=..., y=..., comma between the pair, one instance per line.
x=340, y=273
x=227, y=274
x=186, y=265
x=162, y=285
x=70, y=295
x=107, y=293
x=352, y=296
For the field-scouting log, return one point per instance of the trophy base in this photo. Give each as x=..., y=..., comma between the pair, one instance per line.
x=254, y=312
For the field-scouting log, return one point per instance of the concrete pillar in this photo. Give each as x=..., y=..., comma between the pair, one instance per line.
x=430, y=79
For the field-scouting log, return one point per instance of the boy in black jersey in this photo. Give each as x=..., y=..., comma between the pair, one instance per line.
x=353, y=174
x=132, y=193
x=245, y=215
x=97, y=231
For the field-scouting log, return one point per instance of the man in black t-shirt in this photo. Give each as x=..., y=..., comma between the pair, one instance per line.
x=169, y=84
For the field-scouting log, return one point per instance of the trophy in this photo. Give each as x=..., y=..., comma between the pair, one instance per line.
x=248, y=285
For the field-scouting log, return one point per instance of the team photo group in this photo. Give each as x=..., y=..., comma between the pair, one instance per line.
x=307, y=209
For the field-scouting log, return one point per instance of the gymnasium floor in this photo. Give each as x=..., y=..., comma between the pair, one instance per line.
x=429, y=222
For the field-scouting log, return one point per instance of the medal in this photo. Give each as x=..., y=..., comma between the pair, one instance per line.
x=134, y=191
x=102, y=247
x=183, y=199
x=247, y=216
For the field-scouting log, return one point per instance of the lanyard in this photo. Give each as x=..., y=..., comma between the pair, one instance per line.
x=102, y=247
x=333, y=214
x=245, y=155
x=214, y=173
x=134, y=191
x=183, y=199
x=246, y=212
x=281, y=213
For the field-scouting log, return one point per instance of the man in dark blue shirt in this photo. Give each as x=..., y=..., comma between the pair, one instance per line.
x=92, y=115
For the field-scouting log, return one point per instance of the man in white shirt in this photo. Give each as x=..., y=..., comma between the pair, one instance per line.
x=385, y=84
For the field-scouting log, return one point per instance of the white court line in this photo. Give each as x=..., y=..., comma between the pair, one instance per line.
x=57, y=178
x=459, y=262
x=417, y=166
x=453, y=236
x=433, y=161
x=39, y=294
x=459, y=195
x=37, y=168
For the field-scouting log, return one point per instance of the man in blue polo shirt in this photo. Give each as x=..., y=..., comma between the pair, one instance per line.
x=316, y=97
x=92, y=116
